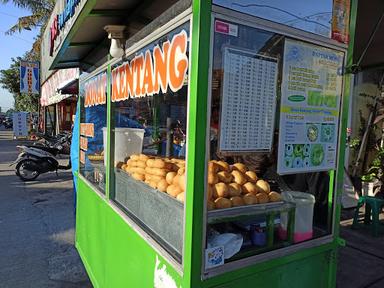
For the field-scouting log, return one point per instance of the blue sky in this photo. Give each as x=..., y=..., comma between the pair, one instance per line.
x=12, y=46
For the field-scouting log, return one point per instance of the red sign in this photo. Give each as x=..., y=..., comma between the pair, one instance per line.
x=226, y=28
x=221, y=27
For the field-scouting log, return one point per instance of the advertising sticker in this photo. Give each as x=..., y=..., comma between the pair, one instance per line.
x=310, y=104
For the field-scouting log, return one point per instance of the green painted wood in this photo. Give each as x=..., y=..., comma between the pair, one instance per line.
x=90, y=232
x=342, y=145
x=304, y=273
x=114, y=254
x=197, y=123
x=110, y=139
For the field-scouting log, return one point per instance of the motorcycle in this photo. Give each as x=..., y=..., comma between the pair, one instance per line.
x=51, y=141
x=35, y=160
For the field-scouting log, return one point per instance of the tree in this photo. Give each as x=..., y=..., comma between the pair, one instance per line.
x=10, y=78
x=40, y=12
x=9, y=112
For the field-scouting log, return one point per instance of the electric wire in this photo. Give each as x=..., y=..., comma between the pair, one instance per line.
x=18, y=37
x=281, y=10
x=9, y=15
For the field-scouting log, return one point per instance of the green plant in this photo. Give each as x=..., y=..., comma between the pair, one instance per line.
x=375, y=169
x=354, y=143
x=368, y=177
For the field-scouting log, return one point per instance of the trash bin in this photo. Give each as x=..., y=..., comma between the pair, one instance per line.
x=128, y=141
x=303, y=216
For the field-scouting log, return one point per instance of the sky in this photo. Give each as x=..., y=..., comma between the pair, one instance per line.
x=12, y=46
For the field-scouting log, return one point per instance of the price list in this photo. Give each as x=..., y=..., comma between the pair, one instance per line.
x=248, y=103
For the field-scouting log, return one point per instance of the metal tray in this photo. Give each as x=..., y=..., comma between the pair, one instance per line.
x=237, y=213
x=162, y=214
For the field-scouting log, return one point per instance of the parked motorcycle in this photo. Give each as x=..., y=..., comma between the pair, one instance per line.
x=51, y=141
x=35, y=160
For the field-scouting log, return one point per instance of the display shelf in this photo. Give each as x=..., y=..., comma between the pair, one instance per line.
x=244, y=212
x=158, y=213
x=254, y=250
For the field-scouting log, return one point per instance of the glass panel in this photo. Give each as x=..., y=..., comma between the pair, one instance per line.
x=251, y=208
x=310, y=15
x=50, y=119
x=93, y=120
x=150, y=94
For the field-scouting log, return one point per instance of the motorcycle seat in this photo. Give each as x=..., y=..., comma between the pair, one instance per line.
x=51, y=150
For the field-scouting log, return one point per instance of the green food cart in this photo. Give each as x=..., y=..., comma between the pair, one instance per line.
x=210, y=142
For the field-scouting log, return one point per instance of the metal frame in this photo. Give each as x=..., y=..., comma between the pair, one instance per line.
x=200, y=77
x=183, y=18
x=228, y=14
x=266, y=25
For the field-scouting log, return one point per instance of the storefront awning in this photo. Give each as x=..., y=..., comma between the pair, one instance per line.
x=60, y=85
x=369, y=36
x=83, y=42
x=69, y=87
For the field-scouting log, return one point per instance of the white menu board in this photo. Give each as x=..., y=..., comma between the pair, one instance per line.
x=248, y=102
x=310, y=104
x=20, y=127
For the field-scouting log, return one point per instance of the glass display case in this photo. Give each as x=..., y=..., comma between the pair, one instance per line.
x=150, y=124
x=93, y=125
x=261, y=196
x=223, y=132
x=314, y=16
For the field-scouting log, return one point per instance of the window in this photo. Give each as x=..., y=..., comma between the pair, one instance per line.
x=150, y=95
x=264, y=112
x=50, y=120
x=93, y=130
x=314, y=16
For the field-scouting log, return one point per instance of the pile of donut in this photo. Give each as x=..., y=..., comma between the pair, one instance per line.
x=228, y=185
x=164, y=174
x=235, y=185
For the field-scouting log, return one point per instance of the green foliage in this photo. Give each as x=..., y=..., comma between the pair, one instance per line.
x=375, y=170
x=10, y=78
x=355, y=143
x=368, y=177
x=9, y=112
x=40, y=12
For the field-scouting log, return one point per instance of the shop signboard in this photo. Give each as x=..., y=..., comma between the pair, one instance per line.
x=59, y=27
x=29, y=77
x=310, y=104
x=153, y=70
x=20, y=126
x=62, y=19
x=49, y=90
x=340, y=20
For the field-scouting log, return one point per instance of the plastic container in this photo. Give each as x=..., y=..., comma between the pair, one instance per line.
x=128, y=141
x=303, y=216
x=258, y=236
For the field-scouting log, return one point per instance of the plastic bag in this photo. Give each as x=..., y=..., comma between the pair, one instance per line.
x=231, y=242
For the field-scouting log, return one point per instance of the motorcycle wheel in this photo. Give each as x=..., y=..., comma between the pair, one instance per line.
x=24, y=173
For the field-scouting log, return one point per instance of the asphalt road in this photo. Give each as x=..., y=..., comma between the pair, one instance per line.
x=36, y=228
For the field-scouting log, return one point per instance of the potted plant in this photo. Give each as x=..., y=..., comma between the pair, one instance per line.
x=373, y=179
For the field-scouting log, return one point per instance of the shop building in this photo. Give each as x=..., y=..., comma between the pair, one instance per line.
x=210, y=139
x=58, y=101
